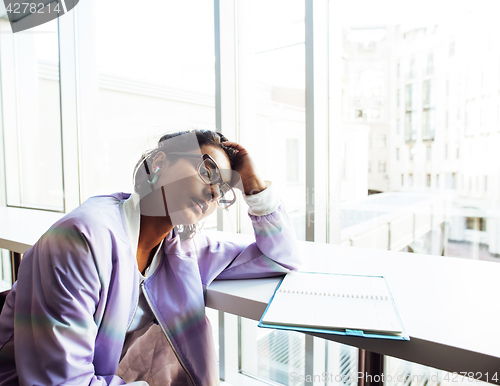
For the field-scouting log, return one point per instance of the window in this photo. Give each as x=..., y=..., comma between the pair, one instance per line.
x=381, y=141
x=428, y=153
x=143, y=83
x=428, y=117
x=381, y=166
x=410, y=120
x=450, y=182
x=476, y=223
x=344, y=160
x=410, y=101
x=428, y=92
x=374, y=115
x=487, y=112
x=429, y=124
x=272, y=354
x=271, y=91
x=31, y=109
x=121, y=109
x=470, y=113
x=430, y=63
x=412, y=68
x=498, y=108
x=292, y=160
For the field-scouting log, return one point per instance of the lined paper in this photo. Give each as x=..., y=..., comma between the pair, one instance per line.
x=333, y=301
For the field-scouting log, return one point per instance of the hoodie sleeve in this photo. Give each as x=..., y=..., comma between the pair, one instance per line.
x=57, y=292
x=230, y=256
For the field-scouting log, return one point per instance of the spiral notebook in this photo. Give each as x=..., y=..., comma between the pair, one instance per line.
x=335, y=304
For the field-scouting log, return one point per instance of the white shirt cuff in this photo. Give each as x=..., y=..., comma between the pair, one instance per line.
x=262, y=203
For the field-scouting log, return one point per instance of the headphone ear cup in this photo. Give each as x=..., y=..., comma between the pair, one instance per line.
x=150, y=180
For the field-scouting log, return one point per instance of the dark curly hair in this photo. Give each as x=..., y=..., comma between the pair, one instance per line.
x=182, y=143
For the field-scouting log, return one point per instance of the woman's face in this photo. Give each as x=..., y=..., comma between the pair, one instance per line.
x=186, y=197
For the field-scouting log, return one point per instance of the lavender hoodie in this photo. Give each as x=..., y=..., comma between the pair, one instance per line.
x=65, y=320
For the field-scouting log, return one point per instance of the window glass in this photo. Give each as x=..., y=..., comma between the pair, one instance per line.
x=293, y=160
x=31, y=108
x=428, y=123
x=271, y=93
x=272, y=354
x=382, y=141
x=430, y=63
x=428, y=93
x=381, y=166
x=272, y=97
x=447, y=102
x=412, y=67
x=146, y=76
x=435, y=89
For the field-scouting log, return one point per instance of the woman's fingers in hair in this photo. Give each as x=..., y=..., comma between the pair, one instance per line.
x=252, y=183
x=234, y=145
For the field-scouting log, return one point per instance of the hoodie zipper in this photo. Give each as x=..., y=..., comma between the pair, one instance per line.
x=166, y=335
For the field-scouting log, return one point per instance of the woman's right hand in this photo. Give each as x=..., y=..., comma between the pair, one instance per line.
x=252, y=183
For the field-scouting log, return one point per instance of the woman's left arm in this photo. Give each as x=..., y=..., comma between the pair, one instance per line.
x=233, y=256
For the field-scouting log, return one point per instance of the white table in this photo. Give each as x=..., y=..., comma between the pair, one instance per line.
x=21, y=228
x=450, y=307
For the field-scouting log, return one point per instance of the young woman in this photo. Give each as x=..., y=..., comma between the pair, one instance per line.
x=100, y=277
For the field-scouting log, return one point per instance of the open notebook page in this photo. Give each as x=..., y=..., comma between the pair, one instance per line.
x=332, y=301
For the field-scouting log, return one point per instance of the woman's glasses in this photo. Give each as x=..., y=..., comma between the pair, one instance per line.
x=210, y=174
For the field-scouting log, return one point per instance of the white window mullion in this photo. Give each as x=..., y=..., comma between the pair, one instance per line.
x=335, y=71
x=317, y=120
x=226, y=122
x=3, y=37
x=87, y=81
x=317, y=151
x=69, y=114
x=226, y=103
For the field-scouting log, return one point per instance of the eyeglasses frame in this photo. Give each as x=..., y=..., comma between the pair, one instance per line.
x=219, y=182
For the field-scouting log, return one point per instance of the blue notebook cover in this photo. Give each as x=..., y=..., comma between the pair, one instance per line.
x=351, y=301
